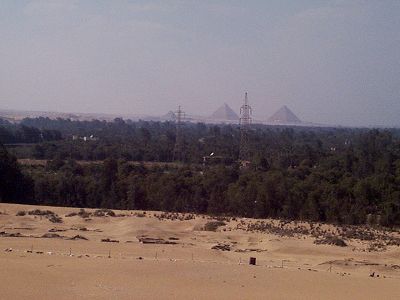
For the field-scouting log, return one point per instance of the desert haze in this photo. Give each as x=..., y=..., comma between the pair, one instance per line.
x=70, y=253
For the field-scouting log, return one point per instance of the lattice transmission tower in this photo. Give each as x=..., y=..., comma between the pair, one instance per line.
x=245, y=122
x=178, y=149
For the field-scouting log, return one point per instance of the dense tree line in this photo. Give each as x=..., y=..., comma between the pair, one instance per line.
x=349, y=176
x=14, y=185
x=13, y=134
x=326, y=193
x=154, y=141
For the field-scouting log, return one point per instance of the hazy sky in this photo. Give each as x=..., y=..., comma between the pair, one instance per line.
x=335, y=62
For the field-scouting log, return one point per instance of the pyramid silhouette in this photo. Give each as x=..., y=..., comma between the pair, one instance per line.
x=284, y=115
x=169, y=116
x=225, y=113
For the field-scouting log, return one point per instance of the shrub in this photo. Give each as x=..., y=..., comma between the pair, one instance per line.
x=331, y=240
x=104, y=212
x=107, y=240
x=55, y=219
x=72, y=214
x=78, y=237
x=51, y=216
x=38, y=212
x=84, y=214
x=213, y=225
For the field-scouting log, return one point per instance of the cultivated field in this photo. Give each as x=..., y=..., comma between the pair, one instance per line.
x=67, y=253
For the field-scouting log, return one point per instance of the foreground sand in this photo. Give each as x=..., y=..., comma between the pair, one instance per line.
x=57, y=268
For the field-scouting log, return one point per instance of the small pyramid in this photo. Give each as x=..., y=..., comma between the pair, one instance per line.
x=225, y=113
x=170, y=116
x=284, y=116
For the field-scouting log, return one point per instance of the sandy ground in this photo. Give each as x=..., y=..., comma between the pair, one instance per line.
x=34, y=267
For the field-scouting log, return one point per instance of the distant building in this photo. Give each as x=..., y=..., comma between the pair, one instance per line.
x=85, y=138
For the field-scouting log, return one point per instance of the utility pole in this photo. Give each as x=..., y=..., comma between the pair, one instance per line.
x=245, y=122
x=178, y=149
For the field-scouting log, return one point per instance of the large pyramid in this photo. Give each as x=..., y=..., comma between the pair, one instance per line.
x=169, y=116
x=224, y=113
x=284, y=116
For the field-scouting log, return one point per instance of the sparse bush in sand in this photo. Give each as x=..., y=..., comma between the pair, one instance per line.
x=107, y=240
x=38, y=212
x=78, y=237
x=223, y=219
x=213, y=225
x=21, y=213
x=140, y=215
x=175, y=216
x=72, y=214
x=222, y=247
x=51, y=236
x=55, y=219
x=377, y=247
x=84, y=214
x=331, y=240
x=104, y=212
x=51, y=216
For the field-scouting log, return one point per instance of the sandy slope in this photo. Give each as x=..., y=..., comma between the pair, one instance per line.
x=187, y=270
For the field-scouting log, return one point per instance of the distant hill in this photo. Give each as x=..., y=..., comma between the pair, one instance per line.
x=224, y=113
x=284, y=116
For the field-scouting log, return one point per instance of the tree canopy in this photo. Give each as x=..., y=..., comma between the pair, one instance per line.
x=339, y=175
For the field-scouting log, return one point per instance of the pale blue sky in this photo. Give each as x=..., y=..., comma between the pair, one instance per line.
x=335, y=62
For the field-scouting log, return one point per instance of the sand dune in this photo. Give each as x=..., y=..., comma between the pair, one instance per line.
x=40, y=261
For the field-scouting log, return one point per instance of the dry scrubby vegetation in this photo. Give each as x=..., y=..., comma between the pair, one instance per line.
x=213, y=225
x=107, y=240
x=104, y=212
x=175, y=216
x=159, y=241
x=331, y=240
x=340, y=176
x=50, y=235
x=379, y=239
x=51, y=216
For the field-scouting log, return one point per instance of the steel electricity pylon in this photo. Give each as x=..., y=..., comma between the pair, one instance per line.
x=245, y=122
x=178, y=149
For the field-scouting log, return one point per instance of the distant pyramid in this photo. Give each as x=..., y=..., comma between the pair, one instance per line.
x=284, y=116
x=224, y=113
x=170, y=116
